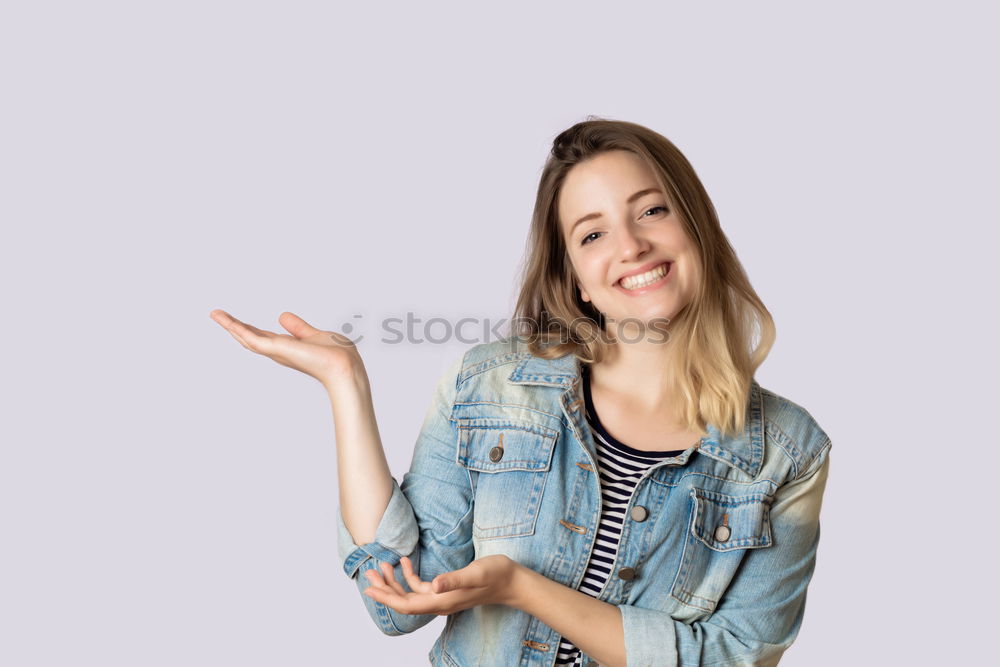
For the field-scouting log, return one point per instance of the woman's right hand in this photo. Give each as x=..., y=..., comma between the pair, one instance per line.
x=328, y=356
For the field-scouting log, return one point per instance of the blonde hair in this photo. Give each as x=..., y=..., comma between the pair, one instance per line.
x=712, y=348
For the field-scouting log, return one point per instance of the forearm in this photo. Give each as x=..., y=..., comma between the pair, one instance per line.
x=592, y=625
x=362, y=470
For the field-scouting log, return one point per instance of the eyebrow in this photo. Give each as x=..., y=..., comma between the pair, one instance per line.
x=591, y=216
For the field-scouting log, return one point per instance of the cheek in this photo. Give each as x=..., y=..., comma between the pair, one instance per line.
x=591, y=274
x=691, y=276
x=590, y=280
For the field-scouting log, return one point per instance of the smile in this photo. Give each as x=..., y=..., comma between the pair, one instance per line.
x=654, y=276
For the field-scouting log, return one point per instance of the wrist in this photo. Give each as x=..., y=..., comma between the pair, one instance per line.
x=520, y=586
x=352, y=379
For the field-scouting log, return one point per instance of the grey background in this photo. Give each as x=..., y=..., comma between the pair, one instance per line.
x=168, y=498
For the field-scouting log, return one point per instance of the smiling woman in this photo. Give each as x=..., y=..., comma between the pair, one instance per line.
x=608, y=484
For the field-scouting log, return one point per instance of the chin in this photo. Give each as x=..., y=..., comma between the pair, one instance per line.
x=647, y=316
x=650, y=320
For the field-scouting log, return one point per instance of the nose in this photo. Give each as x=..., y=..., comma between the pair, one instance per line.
x=632, y=245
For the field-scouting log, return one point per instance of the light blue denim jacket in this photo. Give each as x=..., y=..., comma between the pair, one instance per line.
x=721, y=559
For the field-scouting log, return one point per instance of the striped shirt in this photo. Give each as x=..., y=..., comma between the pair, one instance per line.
x=620, y=468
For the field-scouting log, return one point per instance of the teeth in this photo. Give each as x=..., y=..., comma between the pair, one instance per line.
x=643, y=279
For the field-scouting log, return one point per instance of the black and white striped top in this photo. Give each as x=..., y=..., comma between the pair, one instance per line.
x=620, y=468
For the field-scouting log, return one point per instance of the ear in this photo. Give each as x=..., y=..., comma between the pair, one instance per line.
x=583, y=293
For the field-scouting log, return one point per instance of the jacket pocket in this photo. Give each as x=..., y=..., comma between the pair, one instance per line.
x=721, y=529
x=512, y=462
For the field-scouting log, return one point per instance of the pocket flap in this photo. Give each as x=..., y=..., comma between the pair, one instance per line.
x=723, y=522
x=494, y=448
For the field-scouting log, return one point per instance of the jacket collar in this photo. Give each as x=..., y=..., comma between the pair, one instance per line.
x=744, y=451
x=560, y=372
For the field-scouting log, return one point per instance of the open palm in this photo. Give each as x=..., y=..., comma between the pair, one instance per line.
x=487, y=580
x=325, y=355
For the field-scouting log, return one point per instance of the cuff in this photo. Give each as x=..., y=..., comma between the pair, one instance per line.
x=650, y=638
x=396, y=536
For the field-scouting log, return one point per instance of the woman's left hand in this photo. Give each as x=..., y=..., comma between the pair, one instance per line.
x=487, y=580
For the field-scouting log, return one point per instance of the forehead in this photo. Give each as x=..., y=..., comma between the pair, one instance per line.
x=602, y=183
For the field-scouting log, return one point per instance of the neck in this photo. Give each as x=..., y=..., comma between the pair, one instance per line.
x=643, y=372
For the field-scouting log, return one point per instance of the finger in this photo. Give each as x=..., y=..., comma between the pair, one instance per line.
x=254, y=339
x=219, y=315
x=388, y=598
x=263, y=333
x=376, y=580
x=239, y=339
x=442, y=584
x=406, y=604
x=390, y=577
x=413, y=579
x=456, y=579
x=379, y=595
x=230, y=323
x=412, y=603
x=442, y=605
x=297, y=326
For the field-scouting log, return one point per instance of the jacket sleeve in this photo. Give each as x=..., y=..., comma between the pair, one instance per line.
x=760, y=613
x=428, y=517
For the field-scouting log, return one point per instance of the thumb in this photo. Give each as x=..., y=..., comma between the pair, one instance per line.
x=443, y=583
x=451, y=581
x=297, y=326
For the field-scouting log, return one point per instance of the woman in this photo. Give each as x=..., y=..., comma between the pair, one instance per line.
x=609, y=484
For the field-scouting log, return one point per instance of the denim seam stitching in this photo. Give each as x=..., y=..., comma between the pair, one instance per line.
x=823, y=449
x=509, y=405
x=493, y=362
x=528, y=523
x=792, y=450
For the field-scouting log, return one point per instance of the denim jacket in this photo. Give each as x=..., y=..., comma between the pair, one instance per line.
x=713, y=573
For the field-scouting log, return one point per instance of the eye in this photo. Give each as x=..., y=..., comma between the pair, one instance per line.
x=587, y=239
x=664, y=208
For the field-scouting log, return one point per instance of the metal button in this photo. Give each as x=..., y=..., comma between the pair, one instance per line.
x=496, y=454
x=626, y=573
x=722, y=533
x=639, y=513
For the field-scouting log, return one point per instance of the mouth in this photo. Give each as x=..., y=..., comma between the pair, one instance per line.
x=651, y=277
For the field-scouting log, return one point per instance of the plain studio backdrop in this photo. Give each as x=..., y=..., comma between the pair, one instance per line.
x=168, y=497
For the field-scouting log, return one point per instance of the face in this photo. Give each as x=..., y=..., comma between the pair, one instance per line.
x=629, y=250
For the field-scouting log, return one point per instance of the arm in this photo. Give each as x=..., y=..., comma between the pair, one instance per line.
x=753, y=624
x=592, y=625
x=749, y=627
x=373, y=508
x=428, y=516
x=333, y=359
x=364, y=482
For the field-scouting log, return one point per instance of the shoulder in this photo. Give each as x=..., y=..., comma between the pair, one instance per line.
x=790, y=428
x=486, y=362
x=483, y=357
x=504, y=380
x=494, y=356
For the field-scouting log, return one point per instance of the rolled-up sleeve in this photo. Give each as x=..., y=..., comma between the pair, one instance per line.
x=428, y=516
x=760, y=614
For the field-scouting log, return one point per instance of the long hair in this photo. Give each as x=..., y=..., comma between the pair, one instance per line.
x=712, y=346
